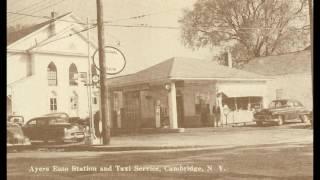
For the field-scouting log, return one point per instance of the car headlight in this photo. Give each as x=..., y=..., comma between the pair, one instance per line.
x=18, y=136
x=72, y=128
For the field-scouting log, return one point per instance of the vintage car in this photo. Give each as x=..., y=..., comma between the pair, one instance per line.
x=16, y=119
x=282, y=111
x=54, y=128
x=57, y=114
x=15, y=135
x=73, y=120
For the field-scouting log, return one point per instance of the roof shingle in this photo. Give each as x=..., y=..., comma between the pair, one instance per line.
x=291, y=63
x=16, y=35
x=179, y=68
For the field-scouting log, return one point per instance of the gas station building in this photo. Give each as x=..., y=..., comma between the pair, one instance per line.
x=183, y=93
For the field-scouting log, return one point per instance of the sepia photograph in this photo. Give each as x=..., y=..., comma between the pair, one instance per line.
x=159, y=89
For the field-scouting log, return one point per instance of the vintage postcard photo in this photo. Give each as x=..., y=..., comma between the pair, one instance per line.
x=159, y=89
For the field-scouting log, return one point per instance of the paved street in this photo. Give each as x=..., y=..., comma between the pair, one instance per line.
x=225, y=153
x=226, y=137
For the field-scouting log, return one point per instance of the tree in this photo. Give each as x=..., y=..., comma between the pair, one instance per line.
x=18, y=31
x=252, y=28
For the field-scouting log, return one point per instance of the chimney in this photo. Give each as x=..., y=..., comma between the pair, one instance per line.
x=52, y=26
x=228, y=59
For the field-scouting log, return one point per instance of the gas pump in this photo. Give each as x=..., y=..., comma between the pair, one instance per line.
x=158, y=114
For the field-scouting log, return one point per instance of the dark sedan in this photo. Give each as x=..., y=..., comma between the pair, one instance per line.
x=282, y=111
x=48, y=128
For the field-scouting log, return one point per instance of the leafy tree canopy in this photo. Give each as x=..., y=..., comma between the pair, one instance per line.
x=18, y=31
x=252, y=28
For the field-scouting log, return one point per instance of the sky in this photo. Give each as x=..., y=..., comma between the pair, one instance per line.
x=142, y=47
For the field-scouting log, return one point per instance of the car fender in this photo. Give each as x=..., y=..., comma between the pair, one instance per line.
x=305, y=113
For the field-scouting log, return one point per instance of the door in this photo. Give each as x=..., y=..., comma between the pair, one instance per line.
x=132, y=109
x=42, y=129
x=35, y=129
x=291, y=111
x=115, y=107
x=55, y=128
x=180, y=111
x=30, y=129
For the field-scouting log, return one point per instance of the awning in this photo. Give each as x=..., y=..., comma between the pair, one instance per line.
x=241, y=90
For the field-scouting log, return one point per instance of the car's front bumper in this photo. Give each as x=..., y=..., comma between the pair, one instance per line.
x=18, y=144
x=77, y=136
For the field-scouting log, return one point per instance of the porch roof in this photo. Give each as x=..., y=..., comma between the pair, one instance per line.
x=179, y=68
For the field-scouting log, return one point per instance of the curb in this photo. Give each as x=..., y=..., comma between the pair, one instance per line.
x=77, y=148
x=126, y=148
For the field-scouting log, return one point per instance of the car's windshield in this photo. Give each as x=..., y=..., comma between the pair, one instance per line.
x=280, y=104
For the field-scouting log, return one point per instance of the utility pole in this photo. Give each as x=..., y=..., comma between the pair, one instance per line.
x=311, y=36
x=103, y=77
x=311, y=32
x=89, y=85
x=311, y=25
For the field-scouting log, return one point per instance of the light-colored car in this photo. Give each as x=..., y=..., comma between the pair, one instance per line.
x=15, y=135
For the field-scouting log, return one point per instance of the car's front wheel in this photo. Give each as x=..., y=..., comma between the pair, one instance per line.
x=304, y=118
x=280, y=121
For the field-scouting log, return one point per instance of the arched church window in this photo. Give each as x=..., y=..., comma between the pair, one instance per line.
x=73, y=75
x=52, y=74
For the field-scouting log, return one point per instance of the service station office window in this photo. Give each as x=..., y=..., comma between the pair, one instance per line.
x=243, y=103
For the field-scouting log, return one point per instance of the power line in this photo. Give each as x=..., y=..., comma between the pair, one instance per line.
x=32, y=10
x=31, y=5
x=78, y=32
x=46, y=17
x=43, y=8
x=178, y=28
x=30, y=15
x=141, y=26
x=138, y=16
x=116, y=25
x=67, y=36
x=82, y=23
x=137, y=25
